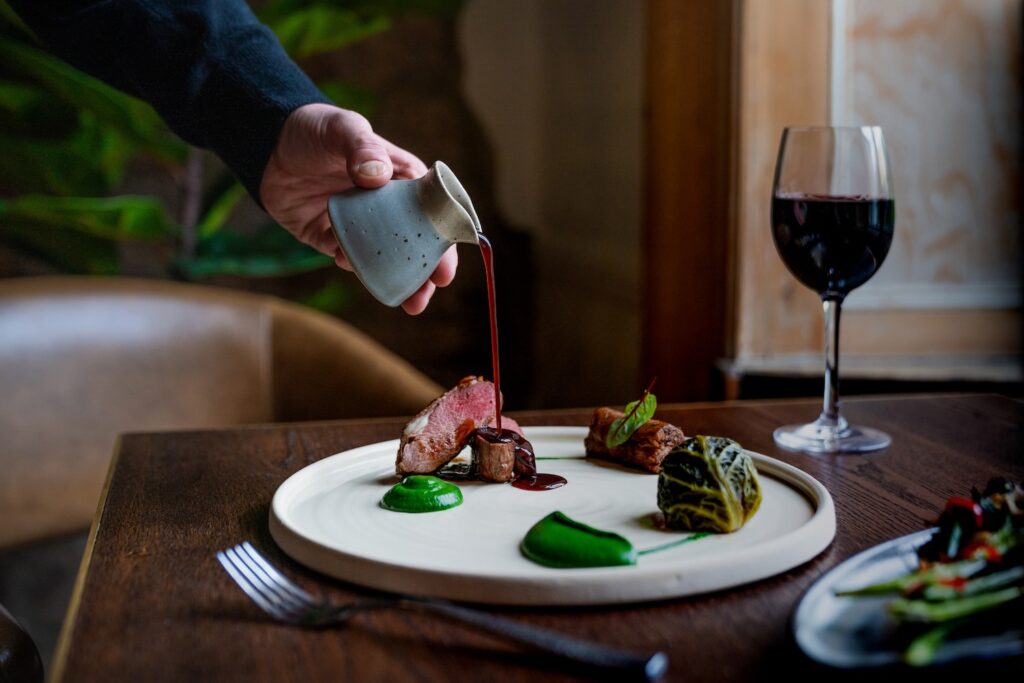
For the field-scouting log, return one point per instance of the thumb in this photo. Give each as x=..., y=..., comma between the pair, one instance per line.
x=368, y=162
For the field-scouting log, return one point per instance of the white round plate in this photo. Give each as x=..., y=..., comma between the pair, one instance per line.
x=327, y=516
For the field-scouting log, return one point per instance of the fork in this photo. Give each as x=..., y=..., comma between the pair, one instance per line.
x=284, y=600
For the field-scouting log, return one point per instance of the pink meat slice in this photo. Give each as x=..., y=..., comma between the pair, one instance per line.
x=444, y=427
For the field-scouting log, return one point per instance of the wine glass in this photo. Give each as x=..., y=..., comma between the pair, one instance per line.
x=832, y=221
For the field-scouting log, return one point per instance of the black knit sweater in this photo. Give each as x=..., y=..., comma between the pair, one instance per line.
x=217, y=76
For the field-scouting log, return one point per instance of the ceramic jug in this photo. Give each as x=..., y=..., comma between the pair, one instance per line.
x=395, y=235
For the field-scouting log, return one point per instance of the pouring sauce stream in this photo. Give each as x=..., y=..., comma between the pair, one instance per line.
x=530, y=479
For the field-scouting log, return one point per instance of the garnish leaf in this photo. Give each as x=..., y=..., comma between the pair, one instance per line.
x=637, y=413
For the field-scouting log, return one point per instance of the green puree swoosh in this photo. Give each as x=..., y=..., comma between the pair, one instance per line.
x=563, y=543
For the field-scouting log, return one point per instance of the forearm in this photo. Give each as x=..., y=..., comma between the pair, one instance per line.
x=216, y=74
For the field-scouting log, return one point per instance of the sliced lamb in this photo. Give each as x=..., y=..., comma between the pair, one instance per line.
x=444, y=427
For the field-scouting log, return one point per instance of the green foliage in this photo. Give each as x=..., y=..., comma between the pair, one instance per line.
x=322, y=28
x=66, y=250
x=310, y=27
x=80, y=234
x=332, y=298
x=218, y=212
x=349, y=97
x=131, y=119
x=67, y=140
x=267, y=252
x=114, y=218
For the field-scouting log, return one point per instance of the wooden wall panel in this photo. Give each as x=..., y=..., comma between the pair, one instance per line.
x=783, y=67
x=690, y=92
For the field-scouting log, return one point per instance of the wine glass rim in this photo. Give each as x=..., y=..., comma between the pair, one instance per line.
x=817, y=128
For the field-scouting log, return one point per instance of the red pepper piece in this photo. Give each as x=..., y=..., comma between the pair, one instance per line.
x=958, y=502
x=981, y=550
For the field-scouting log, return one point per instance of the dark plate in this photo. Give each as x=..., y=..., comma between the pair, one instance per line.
x=856, y=632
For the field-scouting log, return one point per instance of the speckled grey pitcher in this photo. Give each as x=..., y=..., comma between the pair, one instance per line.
x=395, y=235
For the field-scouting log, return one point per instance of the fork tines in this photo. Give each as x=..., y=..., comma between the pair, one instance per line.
x=277, y=595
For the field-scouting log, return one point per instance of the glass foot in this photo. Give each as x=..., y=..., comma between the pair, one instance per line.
x=826, y=436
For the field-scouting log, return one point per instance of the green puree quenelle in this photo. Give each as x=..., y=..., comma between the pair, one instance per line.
x=422, y=493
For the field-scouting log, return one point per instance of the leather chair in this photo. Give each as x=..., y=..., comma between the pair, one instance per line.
x=83, y=359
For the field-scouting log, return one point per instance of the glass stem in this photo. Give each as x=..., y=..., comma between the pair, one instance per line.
x=830, y=404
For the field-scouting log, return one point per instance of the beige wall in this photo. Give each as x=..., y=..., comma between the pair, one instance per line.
x=943, y=79
x=558, y=86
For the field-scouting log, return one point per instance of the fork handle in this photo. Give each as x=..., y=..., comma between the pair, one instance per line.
x=647, y=667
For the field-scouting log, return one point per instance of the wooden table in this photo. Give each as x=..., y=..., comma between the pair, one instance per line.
x=152, y=603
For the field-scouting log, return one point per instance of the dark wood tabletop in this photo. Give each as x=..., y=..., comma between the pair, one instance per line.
x=152, y=603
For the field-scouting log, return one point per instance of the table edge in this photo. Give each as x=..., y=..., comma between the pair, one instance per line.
x=60, y=655
x=532, y=413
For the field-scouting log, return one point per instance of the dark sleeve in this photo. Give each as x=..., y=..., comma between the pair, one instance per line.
x=216, y=75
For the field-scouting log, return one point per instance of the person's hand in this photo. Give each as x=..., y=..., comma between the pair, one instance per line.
x=322, y=151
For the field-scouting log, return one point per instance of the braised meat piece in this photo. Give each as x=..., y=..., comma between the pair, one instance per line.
x=645, y=448
x=502, y=458
x=494, y=460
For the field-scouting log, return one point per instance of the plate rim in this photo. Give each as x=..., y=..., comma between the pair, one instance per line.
x=563, y=586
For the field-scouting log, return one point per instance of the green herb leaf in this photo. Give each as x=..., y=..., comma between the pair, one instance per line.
x=637, y=413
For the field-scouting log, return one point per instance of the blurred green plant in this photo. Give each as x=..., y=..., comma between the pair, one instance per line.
x=68, y=137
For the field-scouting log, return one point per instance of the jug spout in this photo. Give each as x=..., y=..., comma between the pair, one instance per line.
x=447, y=203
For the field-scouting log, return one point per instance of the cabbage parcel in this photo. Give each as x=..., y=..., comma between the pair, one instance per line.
x=708, y=483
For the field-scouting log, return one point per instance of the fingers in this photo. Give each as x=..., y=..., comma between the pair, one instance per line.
x=317, y=233
x=406, y=164
x=445, y=271
x=441, y=277
x=366, y=154
x=417, y=303
x=341, y=260
x=371, y=161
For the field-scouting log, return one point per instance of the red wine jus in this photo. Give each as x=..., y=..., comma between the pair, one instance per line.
x=487, y=251
x=832, y=244
x=525, y=466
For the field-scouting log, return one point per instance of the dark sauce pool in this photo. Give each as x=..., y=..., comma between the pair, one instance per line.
x=528, y=478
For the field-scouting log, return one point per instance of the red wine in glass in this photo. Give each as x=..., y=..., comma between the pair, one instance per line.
x=832, y=244
x=832, y=221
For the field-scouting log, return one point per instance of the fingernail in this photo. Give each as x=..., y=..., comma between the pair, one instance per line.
x=371, y=168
